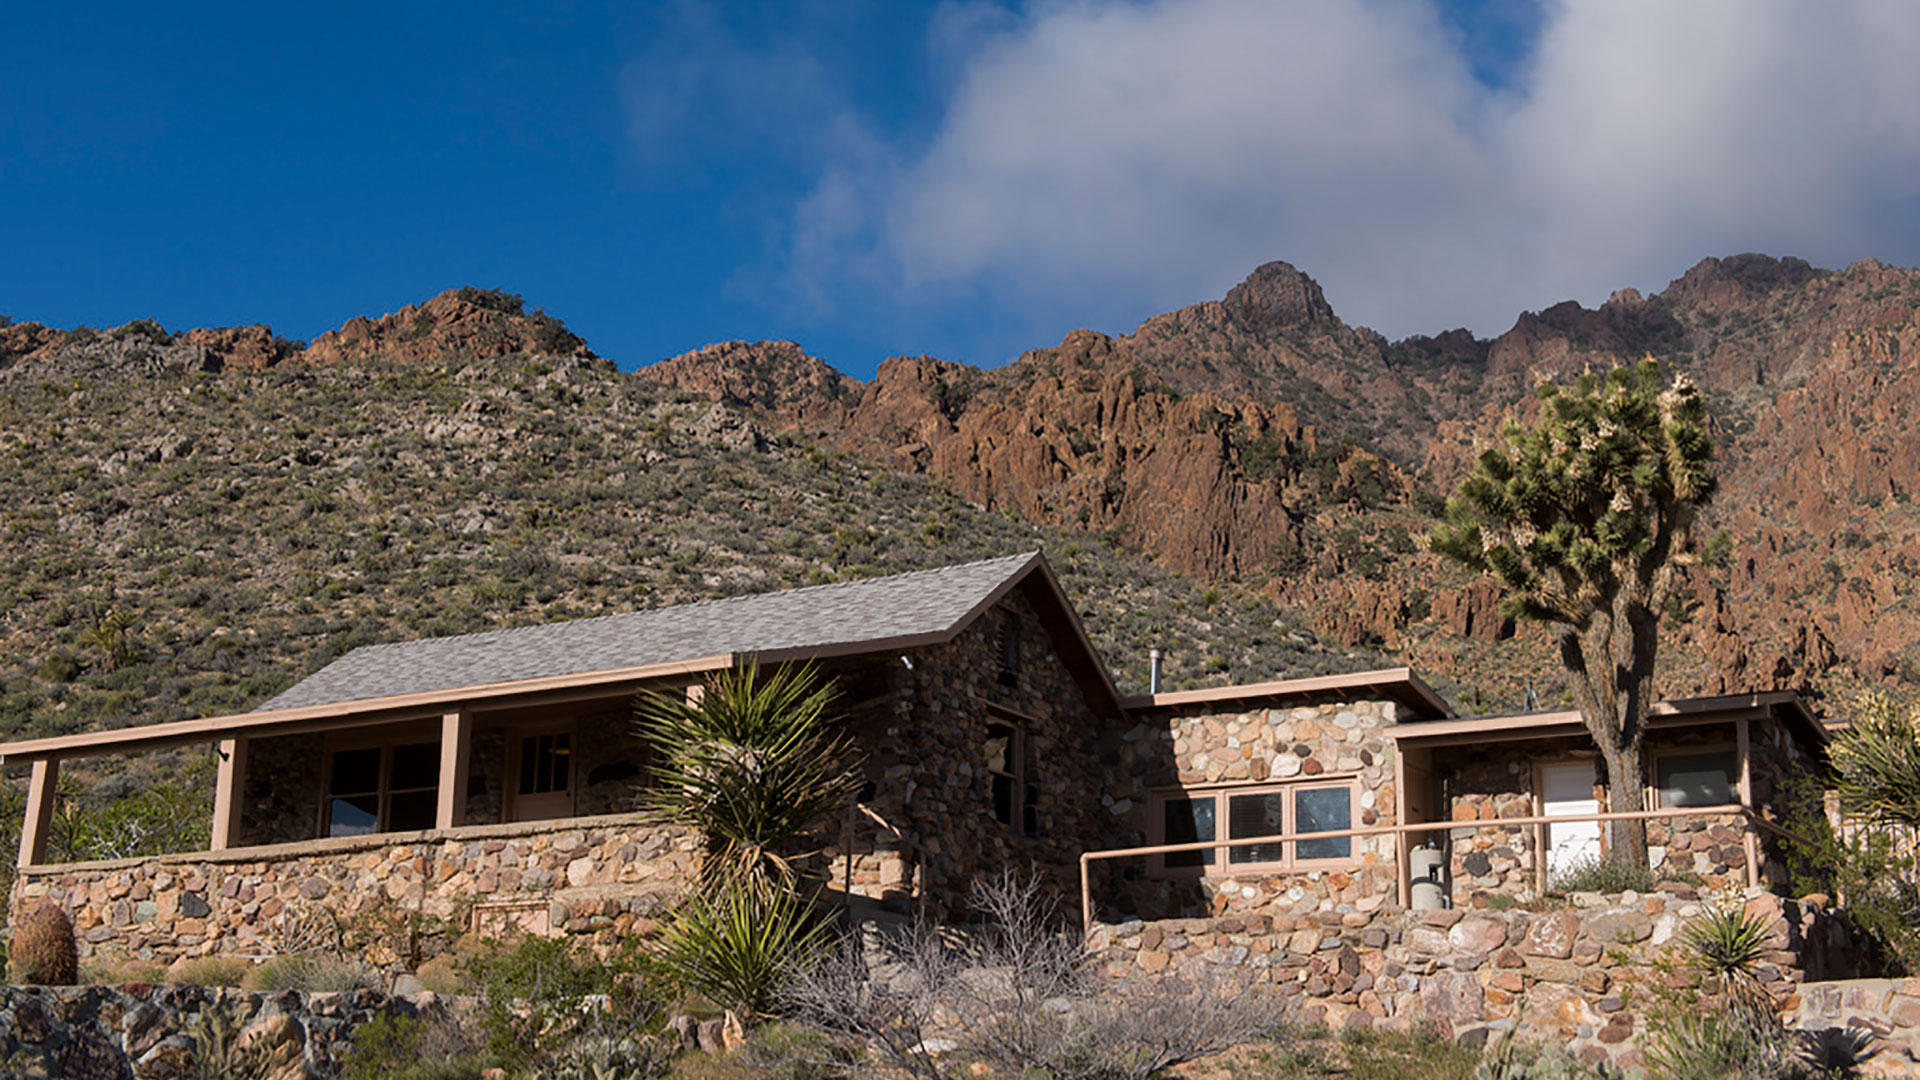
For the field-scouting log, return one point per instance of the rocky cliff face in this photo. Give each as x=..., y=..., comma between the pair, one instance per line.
x=1259, y=437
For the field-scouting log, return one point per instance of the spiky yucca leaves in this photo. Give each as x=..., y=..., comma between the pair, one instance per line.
x=1877, y=759
x=738, y=942
x=754, y=764
x=1728, y=947
x=1584, y=519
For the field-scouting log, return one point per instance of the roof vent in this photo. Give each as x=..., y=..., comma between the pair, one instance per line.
x=1153, y=669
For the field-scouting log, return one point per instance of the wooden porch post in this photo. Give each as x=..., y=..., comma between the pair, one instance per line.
x=229, y=793
x=1748, y=840
x=456, y=747
x=39, y=815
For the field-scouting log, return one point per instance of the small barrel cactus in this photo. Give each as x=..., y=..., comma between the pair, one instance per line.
x=43, y=952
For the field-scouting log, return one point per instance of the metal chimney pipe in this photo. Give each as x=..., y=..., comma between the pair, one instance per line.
x=1153, y=670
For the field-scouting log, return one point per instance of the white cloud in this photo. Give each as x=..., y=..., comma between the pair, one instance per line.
x=1098, y=162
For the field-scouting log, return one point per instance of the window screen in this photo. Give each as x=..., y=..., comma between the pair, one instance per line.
x=1696, y=779
x=1262, y=814
x=1323, y=810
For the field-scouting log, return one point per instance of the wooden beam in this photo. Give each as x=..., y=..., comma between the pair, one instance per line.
x=39, y=813
x=456, y=750
x=229, y=793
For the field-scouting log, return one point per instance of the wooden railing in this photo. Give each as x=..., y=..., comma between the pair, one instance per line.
x=1401, y=832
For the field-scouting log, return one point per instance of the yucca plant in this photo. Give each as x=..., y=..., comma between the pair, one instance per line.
x=1728, y=947
x=1877, y=759
x=753, y=764
x=739, y=943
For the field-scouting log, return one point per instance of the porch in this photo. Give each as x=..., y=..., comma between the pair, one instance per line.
x=527, y=751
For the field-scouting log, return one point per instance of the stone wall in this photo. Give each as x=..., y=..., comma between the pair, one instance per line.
x=1198, y=747
x=591, y=876
x=146, y=1030
x=1587, y=973
x=282, y=789
x=1874, y=1021
x=932, y=830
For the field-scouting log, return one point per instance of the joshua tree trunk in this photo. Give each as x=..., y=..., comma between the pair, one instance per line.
x=1611, y=664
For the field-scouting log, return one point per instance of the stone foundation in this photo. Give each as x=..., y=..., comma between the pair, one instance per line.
x=1586, y=973
x=590, y=876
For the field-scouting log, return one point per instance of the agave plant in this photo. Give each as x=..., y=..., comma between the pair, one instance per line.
x=753, y=764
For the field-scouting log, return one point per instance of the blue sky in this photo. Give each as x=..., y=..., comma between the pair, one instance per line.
x=962, y=179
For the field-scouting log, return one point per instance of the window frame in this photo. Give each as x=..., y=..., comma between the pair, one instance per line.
x=1024, y=811
x=1656, y=794
x=1223, y=865
x=385, y=741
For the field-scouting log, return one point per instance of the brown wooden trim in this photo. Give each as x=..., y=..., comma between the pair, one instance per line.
x=346, y=714
x=1399, y=685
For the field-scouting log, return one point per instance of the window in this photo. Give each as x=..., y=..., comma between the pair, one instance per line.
x=546, y=763
x=1696, y=778
x=1012, y=776
x=1301, y=808
x=389, y=788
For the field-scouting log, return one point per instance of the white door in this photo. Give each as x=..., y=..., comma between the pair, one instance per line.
x=1567, y=790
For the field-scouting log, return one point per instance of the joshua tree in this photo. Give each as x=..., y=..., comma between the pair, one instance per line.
x=1584, y=518
x=753, y=763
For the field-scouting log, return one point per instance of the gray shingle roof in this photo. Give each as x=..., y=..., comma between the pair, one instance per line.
x=922, y=603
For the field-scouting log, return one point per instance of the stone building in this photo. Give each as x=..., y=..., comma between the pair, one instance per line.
x=492, y=780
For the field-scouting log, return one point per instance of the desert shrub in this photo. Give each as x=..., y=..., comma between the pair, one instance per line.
x=311, y=973
x=1022, y=995
x=1604, y=876
x=209, y=970
x=737, y=943
x=397, y=1047
x=43, y=951
x=538, y=994
x=118, y=971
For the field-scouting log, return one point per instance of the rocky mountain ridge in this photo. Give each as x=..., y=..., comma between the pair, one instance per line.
x=1259, y=438
x=1262, y=443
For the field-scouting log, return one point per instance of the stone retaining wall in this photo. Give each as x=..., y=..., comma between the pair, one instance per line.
x=590, y=876
x=1875, y=1021
x=1586, y=974
x=147, y=1031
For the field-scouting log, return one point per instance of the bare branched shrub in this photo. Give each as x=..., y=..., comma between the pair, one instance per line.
x=1023, y=994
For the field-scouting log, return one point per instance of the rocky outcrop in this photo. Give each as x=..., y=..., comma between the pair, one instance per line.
x=771, y=375
x=459, y=324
